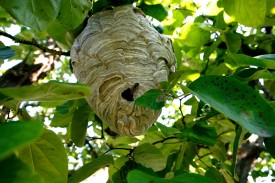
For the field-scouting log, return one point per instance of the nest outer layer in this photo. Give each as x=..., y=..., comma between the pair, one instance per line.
x=121, y=56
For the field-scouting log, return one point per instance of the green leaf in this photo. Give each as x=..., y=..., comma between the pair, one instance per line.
x=34, y=14
x=270, y=145
x=188, y=155
x=153, y=99
x=150, y=156
x=247, y=12
x=156, y=11
x=234, y=61
x=167, y=131
x=233, y=41
x=16, y=134
x=193, y=35
x=14, y=170
x=61, y=34
x=90, y=168
x=47, y=157
x=191, y=177
x=137, y=176
x=235, y=149
x=150, y=2
x=266, y=57
x=200, y=133
x=64, y=113
x=80, y=123
x=73, y=12
x=51, y=91
x=6, y=53
x=214, y=175
x=122, y=141
x=238, y=101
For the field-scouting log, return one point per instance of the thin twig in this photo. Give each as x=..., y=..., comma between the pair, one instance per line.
x=163, y=140
x=119, y=148
x=180, y=108
x=34, y=43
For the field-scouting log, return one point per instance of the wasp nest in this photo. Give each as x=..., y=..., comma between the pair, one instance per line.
x=121, y=56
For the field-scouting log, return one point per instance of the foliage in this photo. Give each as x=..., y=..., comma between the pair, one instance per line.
x=225, y=76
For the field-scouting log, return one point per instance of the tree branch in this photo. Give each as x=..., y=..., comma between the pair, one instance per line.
x=34, y=43
x=247, y=153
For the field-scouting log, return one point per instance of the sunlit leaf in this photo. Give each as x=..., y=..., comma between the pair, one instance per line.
x=51, y=91
x=123, y=140
x=90, y=168
x=153, y=99
x=150, y=2
x=193, y=35
x=247, y=12
x=35, y=14
x=150, y=156
x=47, y=157
x=13, y=169
x=16, y=134
x=238, y=101
x=233, y=41
x=236, y=60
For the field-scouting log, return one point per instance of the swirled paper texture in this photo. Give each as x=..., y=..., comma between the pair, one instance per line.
x=121, y=56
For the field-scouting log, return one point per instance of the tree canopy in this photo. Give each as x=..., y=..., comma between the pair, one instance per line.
x=217, y=124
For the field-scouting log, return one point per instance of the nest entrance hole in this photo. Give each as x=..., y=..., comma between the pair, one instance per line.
x=128, y=94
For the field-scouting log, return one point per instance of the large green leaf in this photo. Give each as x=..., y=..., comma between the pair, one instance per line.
x=73, y=12
x=200, y=133
x=15, y=170
x=247, y=12
x=34, y=14
x=137, y=176
x=6, y=53
x=16, y=134
x=80, y=123
x=153, y=99
x=51, y=91
x=90, y=168
x=47, y=156
x=234, y=61
x=193, y=35
x=150, y=156
x=156, y=11
x=238, y=101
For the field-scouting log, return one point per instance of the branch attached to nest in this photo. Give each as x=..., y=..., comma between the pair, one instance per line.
x=34, y=43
